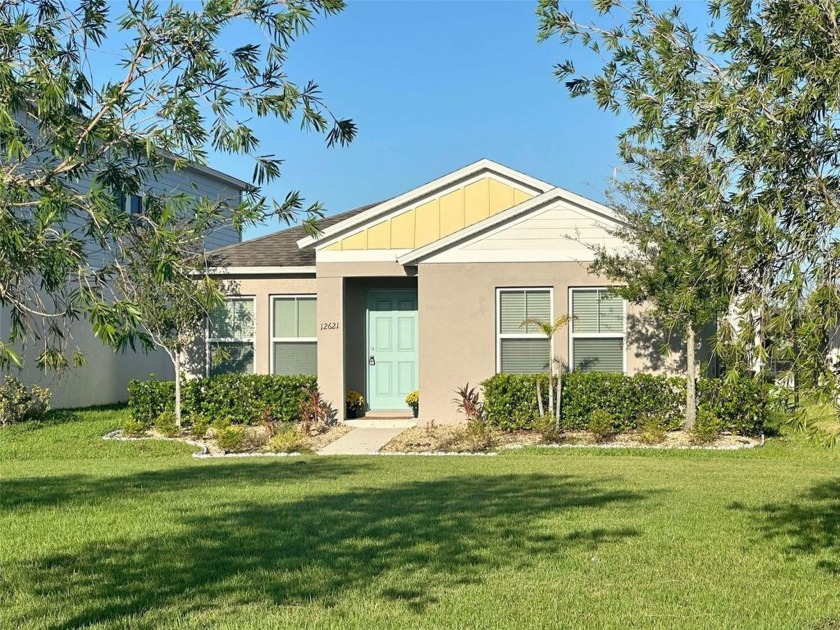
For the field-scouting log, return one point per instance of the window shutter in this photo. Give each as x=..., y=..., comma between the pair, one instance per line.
x=611, y=313
x=285, y=318
x=538, y=306
x=292, y=358
x=524, y=356
x=234, y=320
x=512, y=311
x=307, y=316
x=599, y=355
x=234, y=357
x=585, y=310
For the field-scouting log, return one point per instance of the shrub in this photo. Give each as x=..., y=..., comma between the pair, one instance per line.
x=354, y=400
x=199, y=425
x=232, y=439
x=602, y=425
x=651, y=430
x=245, y=398
x=287, y=439
x=316, y=414
x=133, y=428
x=477, y=435
x=19, y=403
x=738, y=402
x=548, y=428
x=707, y=427
x=165, y=424
x=220, y=424
x=510, y=400
x=468, y=401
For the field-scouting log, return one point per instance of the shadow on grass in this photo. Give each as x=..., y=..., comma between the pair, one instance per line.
x=808, y=526
x=404, y=544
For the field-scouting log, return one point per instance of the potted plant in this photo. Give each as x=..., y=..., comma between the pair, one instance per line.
x=355, y=405
x=413, y=401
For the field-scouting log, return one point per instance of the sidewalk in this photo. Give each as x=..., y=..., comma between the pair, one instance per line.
x=361, y=441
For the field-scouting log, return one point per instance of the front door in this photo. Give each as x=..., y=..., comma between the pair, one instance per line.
x=392, y=348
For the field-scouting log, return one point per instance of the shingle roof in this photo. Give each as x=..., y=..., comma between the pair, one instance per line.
x=279, y=249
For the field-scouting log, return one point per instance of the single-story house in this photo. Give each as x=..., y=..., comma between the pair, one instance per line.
x=428, y=291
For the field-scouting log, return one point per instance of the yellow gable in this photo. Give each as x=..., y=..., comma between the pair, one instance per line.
x=430, y=220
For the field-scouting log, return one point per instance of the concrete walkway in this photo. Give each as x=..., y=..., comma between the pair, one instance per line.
x=361, y=441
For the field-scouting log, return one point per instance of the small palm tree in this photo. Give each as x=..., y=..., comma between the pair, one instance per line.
x=549, y=329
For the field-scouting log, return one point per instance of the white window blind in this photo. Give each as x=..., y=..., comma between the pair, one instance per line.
x=523, y=348
x=294, y=343
x=230, y=337
x=597, y=332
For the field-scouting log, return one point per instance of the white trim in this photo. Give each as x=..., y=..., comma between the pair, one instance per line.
x=573, y=335
x=360, y=255
x=475, y=169
x=500, y=221
x=498, y=326
x=252, y=340
x=272, y=339
x=508, y=256
x=259, y=271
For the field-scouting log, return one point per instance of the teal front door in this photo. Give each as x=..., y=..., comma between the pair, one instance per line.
x=392, y=348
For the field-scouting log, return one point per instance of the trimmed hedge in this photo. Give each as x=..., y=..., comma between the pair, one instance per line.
x=510, y=400
x=243, y=398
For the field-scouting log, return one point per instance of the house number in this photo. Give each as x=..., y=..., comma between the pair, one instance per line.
x=329, y=326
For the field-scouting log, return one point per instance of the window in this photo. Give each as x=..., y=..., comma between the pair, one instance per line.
x=230, y=338
x=522, y=349
x=294, y=341
x=133, y=204
x=597, y=332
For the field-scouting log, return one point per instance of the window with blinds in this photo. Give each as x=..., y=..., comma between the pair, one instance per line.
x=522, y=348
x=597, y=332
x=230, y=337
x=294, y=337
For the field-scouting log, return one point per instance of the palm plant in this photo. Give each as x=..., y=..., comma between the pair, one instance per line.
x=549, y=329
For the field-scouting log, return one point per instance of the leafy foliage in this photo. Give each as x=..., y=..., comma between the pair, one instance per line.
x=413, y=399
x=602, y=425
x=708, y=427
x=242, y=398
x=232, y=439
x=287, y=439
x=316, y=414
x=165, y=423
x=468, y=401
x=19, y=403
x=76, y=143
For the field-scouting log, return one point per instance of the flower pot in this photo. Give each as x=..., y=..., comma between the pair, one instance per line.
x=352, y=413
x=415, y=411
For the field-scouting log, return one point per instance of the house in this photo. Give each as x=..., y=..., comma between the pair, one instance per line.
x=104, y=377
x=428, y=290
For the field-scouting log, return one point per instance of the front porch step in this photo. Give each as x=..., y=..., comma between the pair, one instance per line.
x=388, y=415
x=381, y=423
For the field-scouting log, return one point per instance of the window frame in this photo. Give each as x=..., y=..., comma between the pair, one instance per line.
x=591, y=335
x=522, y=335
x=272, y=340
x=209, y=340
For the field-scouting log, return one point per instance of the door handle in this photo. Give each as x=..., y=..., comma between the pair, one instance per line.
x=371, y=360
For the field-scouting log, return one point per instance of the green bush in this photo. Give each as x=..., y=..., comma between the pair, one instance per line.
x=707, y=427
x=245, y=398
x=602, y=425
x=19, y=403
x=548, y=428
x=232, y=439
x=134, y=428
x=287, y=439
x=510, y=400
x=651, y=430
x=199, y=425
x=165, y=424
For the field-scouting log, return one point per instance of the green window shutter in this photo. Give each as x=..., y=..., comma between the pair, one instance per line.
x=291, y=358
x=599, y=355
x=524, y=356
x=231, y=357
x=511, y=312
x=233, y=320
x=585, y=310
x=611, y=310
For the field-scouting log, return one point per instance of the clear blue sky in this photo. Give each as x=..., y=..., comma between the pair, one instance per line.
x=433, y=86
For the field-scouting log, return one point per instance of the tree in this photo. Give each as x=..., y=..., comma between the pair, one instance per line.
x=549, y=329
x=74, y=142
x=757, y=90
x=667, y=207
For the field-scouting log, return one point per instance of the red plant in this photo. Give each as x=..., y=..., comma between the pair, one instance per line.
x=468, y=401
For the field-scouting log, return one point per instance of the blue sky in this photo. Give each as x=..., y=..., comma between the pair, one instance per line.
x=433, y=86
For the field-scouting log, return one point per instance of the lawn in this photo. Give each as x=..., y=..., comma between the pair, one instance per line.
x=141, y=535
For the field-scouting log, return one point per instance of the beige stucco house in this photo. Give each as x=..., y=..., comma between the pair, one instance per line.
x=428, y=290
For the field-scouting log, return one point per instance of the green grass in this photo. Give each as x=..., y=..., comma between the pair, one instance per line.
x=141, y=535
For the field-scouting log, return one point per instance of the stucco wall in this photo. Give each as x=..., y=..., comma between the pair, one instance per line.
x=457, y=320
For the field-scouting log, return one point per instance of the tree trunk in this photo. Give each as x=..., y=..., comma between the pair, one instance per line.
x=559, y=391
x=690, y=380
x=177, y=361
x=551, y=387
x=539, y=398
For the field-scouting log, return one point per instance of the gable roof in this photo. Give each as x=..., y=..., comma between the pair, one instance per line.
x=375, y=212
x=481, y=228
x=278, y=249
